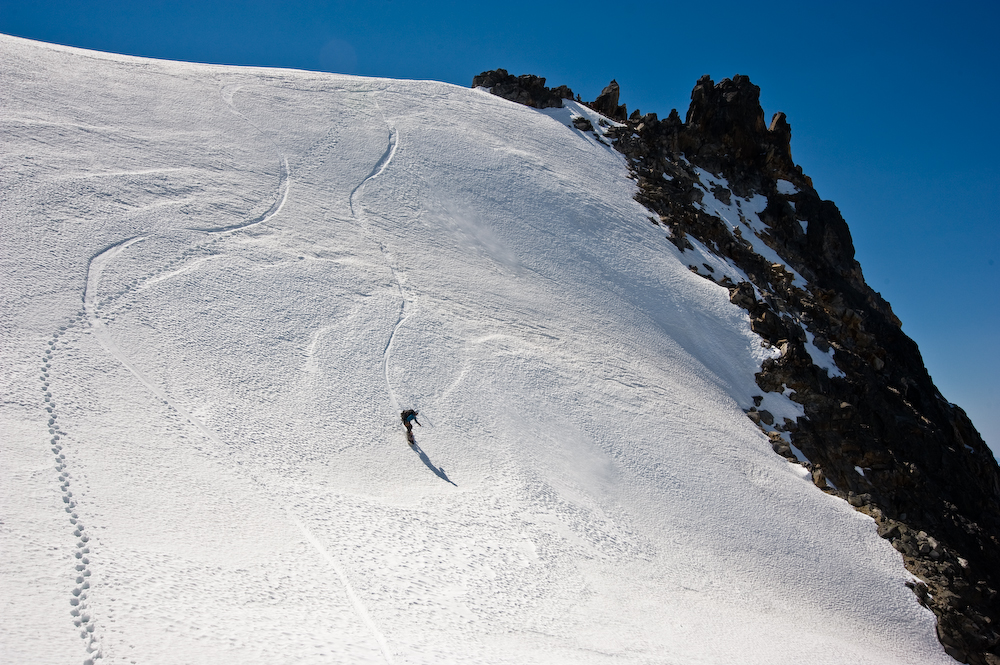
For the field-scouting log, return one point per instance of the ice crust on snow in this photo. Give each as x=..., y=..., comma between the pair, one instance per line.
x=225, y=342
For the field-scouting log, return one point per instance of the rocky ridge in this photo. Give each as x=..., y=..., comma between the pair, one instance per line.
x=875, y=430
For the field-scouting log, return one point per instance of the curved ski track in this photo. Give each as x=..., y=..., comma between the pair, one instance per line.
x=359, y=607
x=358, y=213
x=97, y=265
x=275, y=208
x=226, y=93
x=90, y=313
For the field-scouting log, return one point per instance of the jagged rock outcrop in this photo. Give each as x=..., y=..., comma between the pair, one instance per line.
x=877, y=432
x=725, y=130
x=525, y=89
x=607, y=102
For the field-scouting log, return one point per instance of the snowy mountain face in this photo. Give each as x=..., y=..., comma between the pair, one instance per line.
x=223, y=285
x=875, y=429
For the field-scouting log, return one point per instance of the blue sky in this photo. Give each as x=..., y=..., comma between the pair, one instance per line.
x=892, y=107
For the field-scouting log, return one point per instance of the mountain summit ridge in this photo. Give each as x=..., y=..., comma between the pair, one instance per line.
x=876, y=431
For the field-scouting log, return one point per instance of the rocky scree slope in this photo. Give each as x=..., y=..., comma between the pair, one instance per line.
x=875, y=430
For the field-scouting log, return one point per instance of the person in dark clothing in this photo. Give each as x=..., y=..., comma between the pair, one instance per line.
x=409, y=417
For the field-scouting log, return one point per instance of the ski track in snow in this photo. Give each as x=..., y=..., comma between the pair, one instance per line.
x=275, y=208
x=226, y=93
x=358, y=213
x=97, y=266
x=90, y=311
x=359, y=607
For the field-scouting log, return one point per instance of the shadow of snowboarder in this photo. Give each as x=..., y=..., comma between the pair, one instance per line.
x=438, y=471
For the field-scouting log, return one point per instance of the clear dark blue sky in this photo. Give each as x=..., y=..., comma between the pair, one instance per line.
x=893, y=108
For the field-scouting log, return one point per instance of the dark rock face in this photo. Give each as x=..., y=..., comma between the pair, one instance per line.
x=881, y=436
x=607, y=103
x=525, y=89
x=725, y=128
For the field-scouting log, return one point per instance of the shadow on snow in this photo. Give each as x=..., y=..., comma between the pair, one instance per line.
x=438, y=470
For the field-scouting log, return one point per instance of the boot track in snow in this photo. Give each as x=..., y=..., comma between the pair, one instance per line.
x=59, y=441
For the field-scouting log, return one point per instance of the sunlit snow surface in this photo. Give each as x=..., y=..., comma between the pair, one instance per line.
x=243, y=276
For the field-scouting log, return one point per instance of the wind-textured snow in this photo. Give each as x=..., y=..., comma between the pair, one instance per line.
x=222, y=285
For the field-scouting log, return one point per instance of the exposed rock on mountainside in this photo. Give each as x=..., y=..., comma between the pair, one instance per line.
x=607, y=102
x=876, y=431
x=525, y=89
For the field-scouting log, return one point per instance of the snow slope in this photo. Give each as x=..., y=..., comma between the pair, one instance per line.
x=221, y=286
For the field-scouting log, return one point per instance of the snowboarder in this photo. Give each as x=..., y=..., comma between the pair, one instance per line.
x=409, y=417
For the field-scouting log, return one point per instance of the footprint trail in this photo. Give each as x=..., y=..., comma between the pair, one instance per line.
x=80, y=610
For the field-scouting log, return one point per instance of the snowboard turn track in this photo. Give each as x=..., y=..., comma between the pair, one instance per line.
x=358, y=213
x=95, y=269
